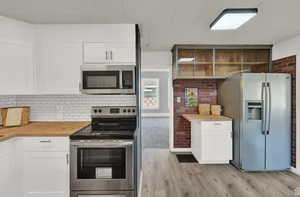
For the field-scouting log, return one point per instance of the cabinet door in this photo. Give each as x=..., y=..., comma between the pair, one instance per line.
x=95, y=53
x=46, y=174
x=8, y=183
x=216, y=146
x=17, y=70
x=59, y=68
x=122, y=54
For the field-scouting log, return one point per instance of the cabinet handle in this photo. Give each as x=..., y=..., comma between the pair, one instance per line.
x=111, y=55
x=217, y=124
x=67, y=158
x=106, y=54
x=45, y=141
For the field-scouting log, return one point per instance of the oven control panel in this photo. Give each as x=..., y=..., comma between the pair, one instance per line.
x=113, y=111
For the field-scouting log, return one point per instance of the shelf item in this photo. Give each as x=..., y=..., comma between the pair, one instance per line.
x=219, y=62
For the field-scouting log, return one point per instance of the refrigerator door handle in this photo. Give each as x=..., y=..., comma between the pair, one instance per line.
x=263, y=112
x=268, y=123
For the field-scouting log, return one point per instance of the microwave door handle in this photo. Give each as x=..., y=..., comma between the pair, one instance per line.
x=121, y=79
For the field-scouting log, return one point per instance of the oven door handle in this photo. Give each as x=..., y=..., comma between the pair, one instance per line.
x=101, y=145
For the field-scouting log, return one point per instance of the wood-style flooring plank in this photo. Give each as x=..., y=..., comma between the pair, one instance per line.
x=164, y=176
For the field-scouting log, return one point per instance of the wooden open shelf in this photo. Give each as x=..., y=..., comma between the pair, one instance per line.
x=219, y=62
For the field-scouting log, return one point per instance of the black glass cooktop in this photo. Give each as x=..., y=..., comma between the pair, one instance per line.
x=89, y=133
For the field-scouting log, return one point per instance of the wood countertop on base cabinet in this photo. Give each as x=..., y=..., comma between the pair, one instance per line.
x=197, y=117
x=40, y=129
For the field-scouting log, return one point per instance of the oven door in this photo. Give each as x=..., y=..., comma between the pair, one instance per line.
x=102, y=165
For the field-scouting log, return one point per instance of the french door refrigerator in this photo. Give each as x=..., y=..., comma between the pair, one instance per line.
x=260, y=105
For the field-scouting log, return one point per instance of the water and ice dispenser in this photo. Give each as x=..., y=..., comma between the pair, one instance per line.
x=254, y=110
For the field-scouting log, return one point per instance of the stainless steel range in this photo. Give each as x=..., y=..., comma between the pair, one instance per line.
x=102, y=154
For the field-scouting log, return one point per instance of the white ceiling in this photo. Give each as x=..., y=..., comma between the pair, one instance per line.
x=167, y=22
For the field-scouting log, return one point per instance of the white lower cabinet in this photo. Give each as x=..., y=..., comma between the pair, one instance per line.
x=46, y=174
x=8, y=176
x=211, y=141
x=35, y=167
x=46, y=171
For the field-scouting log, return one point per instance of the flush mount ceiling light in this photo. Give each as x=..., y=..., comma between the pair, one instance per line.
x=186, y=59
x=231, y=19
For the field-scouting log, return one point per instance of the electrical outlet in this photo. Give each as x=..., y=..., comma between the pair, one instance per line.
x=178, y=99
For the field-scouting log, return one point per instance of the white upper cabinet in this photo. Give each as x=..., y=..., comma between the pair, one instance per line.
x=46, y=59
x=62, y=49
x=59, y=68
x=16, y=57
x=95, y=53
x=109, y=53
x=123, y=53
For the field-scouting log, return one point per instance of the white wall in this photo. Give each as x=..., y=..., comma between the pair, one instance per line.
x=284, y=49
x=156, y=60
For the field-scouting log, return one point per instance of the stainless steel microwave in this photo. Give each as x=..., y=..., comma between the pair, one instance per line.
x=107, y=79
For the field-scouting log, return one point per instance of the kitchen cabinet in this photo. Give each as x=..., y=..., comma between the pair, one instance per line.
x=17, y=68
x=46, y=167
x=59, y=67
x=109, y=53
x=46, y=59
x=219, y=62
x=8, y=177
x=211, y=141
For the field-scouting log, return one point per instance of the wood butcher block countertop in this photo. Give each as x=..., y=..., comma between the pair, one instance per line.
x=42, y=129
x=197, y=117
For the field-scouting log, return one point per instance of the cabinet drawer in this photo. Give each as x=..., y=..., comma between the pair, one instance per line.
x=45, y=144
x=216, y=125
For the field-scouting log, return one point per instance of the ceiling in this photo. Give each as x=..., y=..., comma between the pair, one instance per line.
x=167, y=22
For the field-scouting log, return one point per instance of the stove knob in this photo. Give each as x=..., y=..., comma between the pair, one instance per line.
x=100, y=111
x=124, y=110
x=133, y=110
x=95, y=111
x=128, y=110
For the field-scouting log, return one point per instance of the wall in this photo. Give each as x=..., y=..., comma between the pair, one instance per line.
x=288, y=65
x=284, y=49
x=155, y=123
x=207, y=93
x=156, y=60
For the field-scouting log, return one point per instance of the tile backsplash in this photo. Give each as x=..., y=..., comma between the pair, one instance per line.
x=64, y=107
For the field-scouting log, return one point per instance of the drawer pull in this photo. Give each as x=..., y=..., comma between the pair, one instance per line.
x=45, y=141
x=218, y=124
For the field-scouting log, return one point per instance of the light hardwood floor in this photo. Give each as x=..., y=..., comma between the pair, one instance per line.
x=164, y=176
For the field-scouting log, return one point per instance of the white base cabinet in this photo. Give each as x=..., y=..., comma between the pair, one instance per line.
x=35, y=167
x=8, y=177
x=211, y=141
x=45, y=174
x=46, y=167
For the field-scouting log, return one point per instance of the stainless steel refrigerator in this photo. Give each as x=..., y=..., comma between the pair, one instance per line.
x=260, y=105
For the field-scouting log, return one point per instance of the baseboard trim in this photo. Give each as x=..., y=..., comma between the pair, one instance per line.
x=295, y=170
x=180, y=150
x=141, y=184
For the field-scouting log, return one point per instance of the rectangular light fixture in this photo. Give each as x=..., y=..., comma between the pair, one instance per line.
x=186, y=59
x=231, y=19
